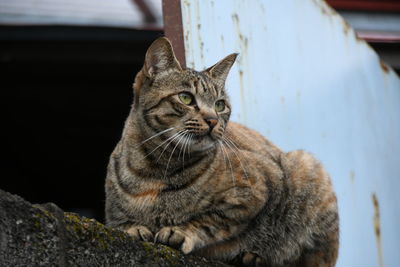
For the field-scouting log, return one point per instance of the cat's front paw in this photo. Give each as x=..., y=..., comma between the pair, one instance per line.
x=139, y=232
x=176, y=237
x=252, y=259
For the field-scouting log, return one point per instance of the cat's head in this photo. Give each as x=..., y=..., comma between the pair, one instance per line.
x=192, y=105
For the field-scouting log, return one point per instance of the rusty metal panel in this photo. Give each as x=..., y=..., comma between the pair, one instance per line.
x=304, y=80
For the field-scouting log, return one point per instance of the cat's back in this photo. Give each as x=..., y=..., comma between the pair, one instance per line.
x=302, y=174
x=250, y=140
x=301, y=189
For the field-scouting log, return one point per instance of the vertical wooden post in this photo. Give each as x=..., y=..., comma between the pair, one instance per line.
x=173, y=28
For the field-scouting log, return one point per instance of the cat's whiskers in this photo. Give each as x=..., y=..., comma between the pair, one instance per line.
x=220, y=143
x=226, y=137
x=154, y=136
x=233, y=147
x=230, y=165
x=176, y=136
x=185, y=144
x=180, y=139
x=180, y=150
x=182, y=147
x=190, y=140
x=165, y=141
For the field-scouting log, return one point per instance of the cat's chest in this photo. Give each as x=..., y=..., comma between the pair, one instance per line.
x=171, y=207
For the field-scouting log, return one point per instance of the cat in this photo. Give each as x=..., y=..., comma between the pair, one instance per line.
x=184, y=176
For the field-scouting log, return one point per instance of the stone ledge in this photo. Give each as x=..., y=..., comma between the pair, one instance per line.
x=44, y=235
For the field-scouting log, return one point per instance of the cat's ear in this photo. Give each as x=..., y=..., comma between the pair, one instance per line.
x=160, y=57
x=221, y=69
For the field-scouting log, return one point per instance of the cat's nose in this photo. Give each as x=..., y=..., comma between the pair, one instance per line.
x=211, y=121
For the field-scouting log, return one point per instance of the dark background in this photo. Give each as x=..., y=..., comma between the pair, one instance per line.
x=65, y=92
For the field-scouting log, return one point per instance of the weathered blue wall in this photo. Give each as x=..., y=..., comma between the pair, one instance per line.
x=305, y=81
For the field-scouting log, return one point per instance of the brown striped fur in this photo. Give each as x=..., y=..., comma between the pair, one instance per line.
x=186, y=177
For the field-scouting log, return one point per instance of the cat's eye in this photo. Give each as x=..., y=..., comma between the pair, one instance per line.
x=220, y=105
x=186, y=98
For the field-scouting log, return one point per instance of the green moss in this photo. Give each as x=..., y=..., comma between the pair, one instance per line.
x=101, y=235
x=159, y=252
x=73, y=224
x=38, y=224
x=149, y=248
x=40, y=216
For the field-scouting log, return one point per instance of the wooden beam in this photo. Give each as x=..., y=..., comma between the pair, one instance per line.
x=366, y=5
x=173, y=28
x=379, y=37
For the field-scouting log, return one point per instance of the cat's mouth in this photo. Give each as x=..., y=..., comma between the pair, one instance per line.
x=201, y=143
x=202, y=135
x=199, y=137
x=203, y=139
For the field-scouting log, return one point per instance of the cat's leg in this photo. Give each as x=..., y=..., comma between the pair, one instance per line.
x=227, y=251
x=317, y=259
x=119, y=221
x=117, y=218
x=139, y=232
x=324, y=254
x=233, y=210
x=197, y=234
x=252, y=259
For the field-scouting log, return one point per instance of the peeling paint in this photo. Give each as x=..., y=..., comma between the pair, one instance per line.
x=199, y=35
x=377, y=229
x=222, y=42
x=352, y=176
x=325, y=8
x=242, y=42
x=242, y=95
x=358, y=38
x=298, y=96
x=243, y=39
x=384, y=66
x=346, y=26
x=188, y=35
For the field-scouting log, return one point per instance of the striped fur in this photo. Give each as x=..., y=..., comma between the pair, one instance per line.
x=185, y=176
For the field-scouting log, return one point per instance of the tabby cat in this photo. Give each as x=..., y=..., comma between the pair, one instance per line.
x=184, y=176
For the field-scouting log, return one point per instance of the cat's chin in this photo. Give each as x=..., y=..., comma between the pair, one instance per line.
x=202, y=143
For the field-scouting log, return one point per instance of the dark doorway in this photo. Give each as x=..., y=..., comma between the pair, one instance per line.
x=66, y=92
